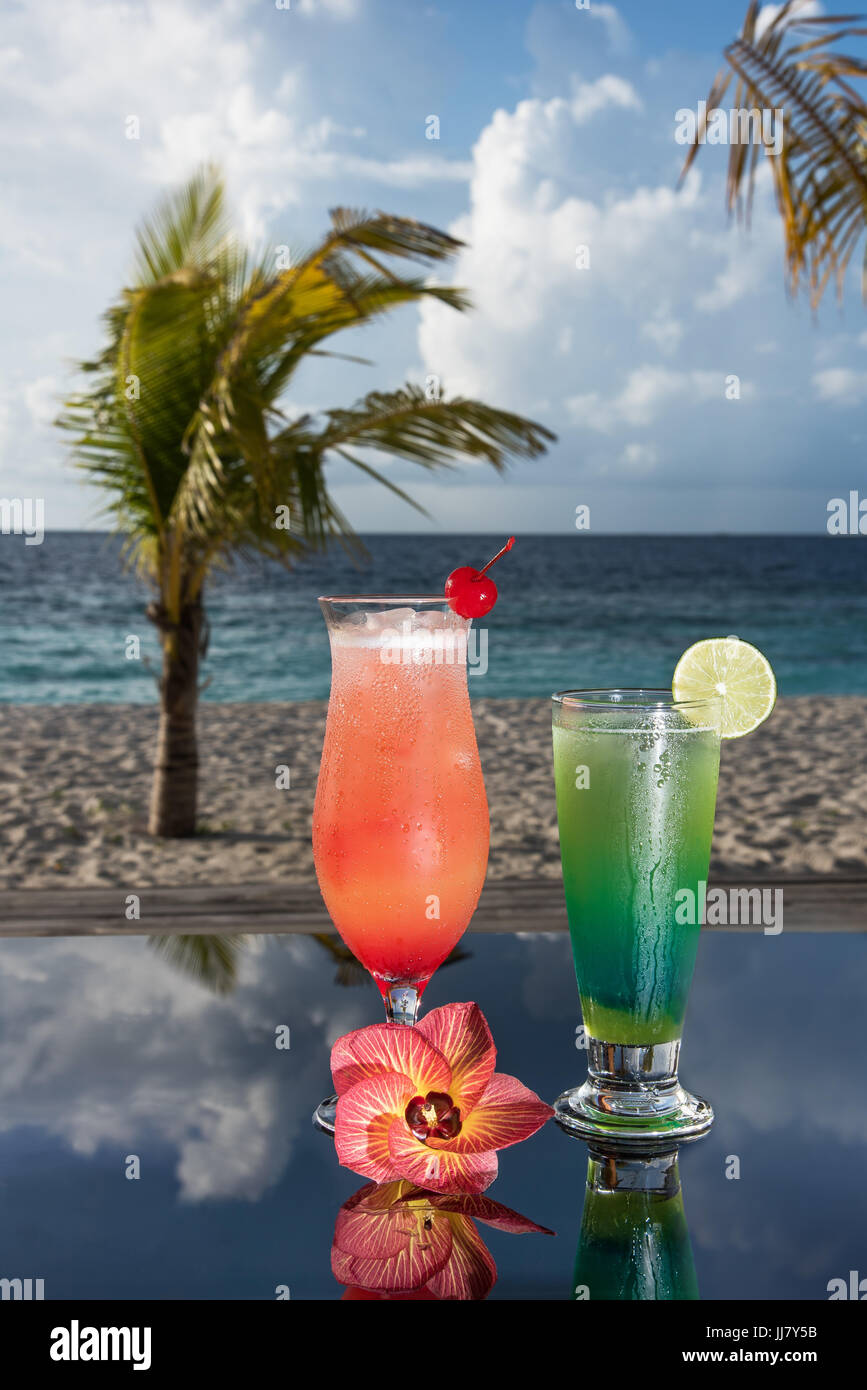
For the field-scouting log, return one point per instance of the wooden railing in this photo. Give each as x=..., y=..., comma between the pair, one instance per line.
x=507, y=905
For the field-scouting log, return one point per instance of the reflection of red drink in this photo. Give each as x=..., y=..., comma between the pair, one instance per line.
x=400, y=825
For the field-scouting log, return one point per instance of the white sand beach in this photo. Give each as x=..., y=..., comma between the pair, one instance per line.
x=76, y=782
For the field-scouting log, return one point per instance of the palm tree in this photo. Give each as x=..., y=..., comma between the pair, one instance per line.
x=182, y=421
x=820, y=174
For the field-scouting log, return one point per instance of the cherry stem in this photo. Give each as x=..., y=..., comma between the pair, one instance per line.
x=508, y=546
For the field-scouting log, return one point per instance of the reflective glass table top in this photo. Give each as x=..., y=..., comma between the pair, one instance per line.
x=112, y=1051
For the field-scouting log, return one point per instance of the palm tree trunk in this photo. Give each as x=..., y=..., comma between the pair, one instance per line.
x=175, y=784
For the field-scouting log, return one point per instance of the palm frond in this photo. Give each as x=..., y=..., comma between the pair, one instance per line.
x=281, y=321
x=164, y=336
x=392, y=236
x=362, y=300
x=187, y=229
x=433, y=433
x=386, y=482
x=284, y=316
x=820, y=174
x=212, y=960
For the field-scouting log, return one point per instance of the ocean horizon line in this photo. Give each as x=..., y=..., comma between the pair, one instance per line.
x=596, y=533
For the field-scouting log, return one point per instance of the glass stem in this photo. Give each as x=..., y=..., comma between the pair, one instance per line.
x=618, y=1064
x=401, y=1004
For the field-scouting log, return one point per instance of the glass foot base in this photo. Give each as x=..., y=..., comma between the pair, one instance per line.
x=632, y=1094
x=324, y=1114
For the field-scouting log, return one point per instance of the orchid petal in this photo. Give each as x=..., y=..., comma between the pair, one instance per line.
x=380, y=1196
x=374, y=1232
x=479, y=1208
x=460, y=1032
x=507, y=1113
x=470, y=1272
x=422, y=1252
x=341, y=1265
x=365, y=1114
x=386, y=1047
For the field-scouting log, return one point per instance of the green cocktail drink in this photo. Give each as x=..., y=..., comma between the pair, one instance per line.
x=630, y=839
x=634, y=1241
x=636, y=776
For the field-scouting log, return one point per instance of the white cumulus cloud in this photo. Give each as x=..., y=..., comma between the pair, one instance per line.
x=340, y=9
x=841, y=385
x=639, y=458
x=543, y=326
x=647, y=391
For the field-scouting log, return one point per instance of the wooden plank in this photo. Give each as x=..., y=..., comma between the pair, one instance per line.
x=507, y=905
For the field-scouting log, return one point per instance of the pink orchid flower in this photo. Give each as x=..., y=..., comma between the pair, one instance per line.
x=396, y=1241
x=425, y=1103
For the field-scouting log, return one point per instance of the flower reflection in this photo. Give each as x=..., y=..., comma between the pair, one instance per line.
x=634, y=1241
x=397, y=1241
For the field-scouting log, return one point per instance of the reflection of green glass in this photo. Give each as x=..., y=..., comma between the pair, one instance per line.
x=636, y=790
x=634, y=1242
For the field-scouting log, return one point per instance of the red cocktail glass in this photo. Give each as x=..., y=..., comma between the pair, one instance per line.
x=400, y=824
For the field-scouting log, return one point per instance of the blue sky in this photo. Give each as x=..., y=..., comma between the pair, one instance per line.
x=556, y=130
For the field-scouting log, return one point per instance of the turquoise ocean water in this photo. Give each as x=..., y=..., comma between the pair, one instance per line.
x=573, y=611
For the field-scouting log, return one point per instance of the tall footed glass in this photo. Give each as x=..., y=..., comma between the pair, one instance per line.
x=400, y=822
x=636, y=778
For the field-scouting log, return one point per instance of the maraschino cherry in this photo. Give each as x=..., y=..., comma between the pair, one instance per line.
x=472, y=593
